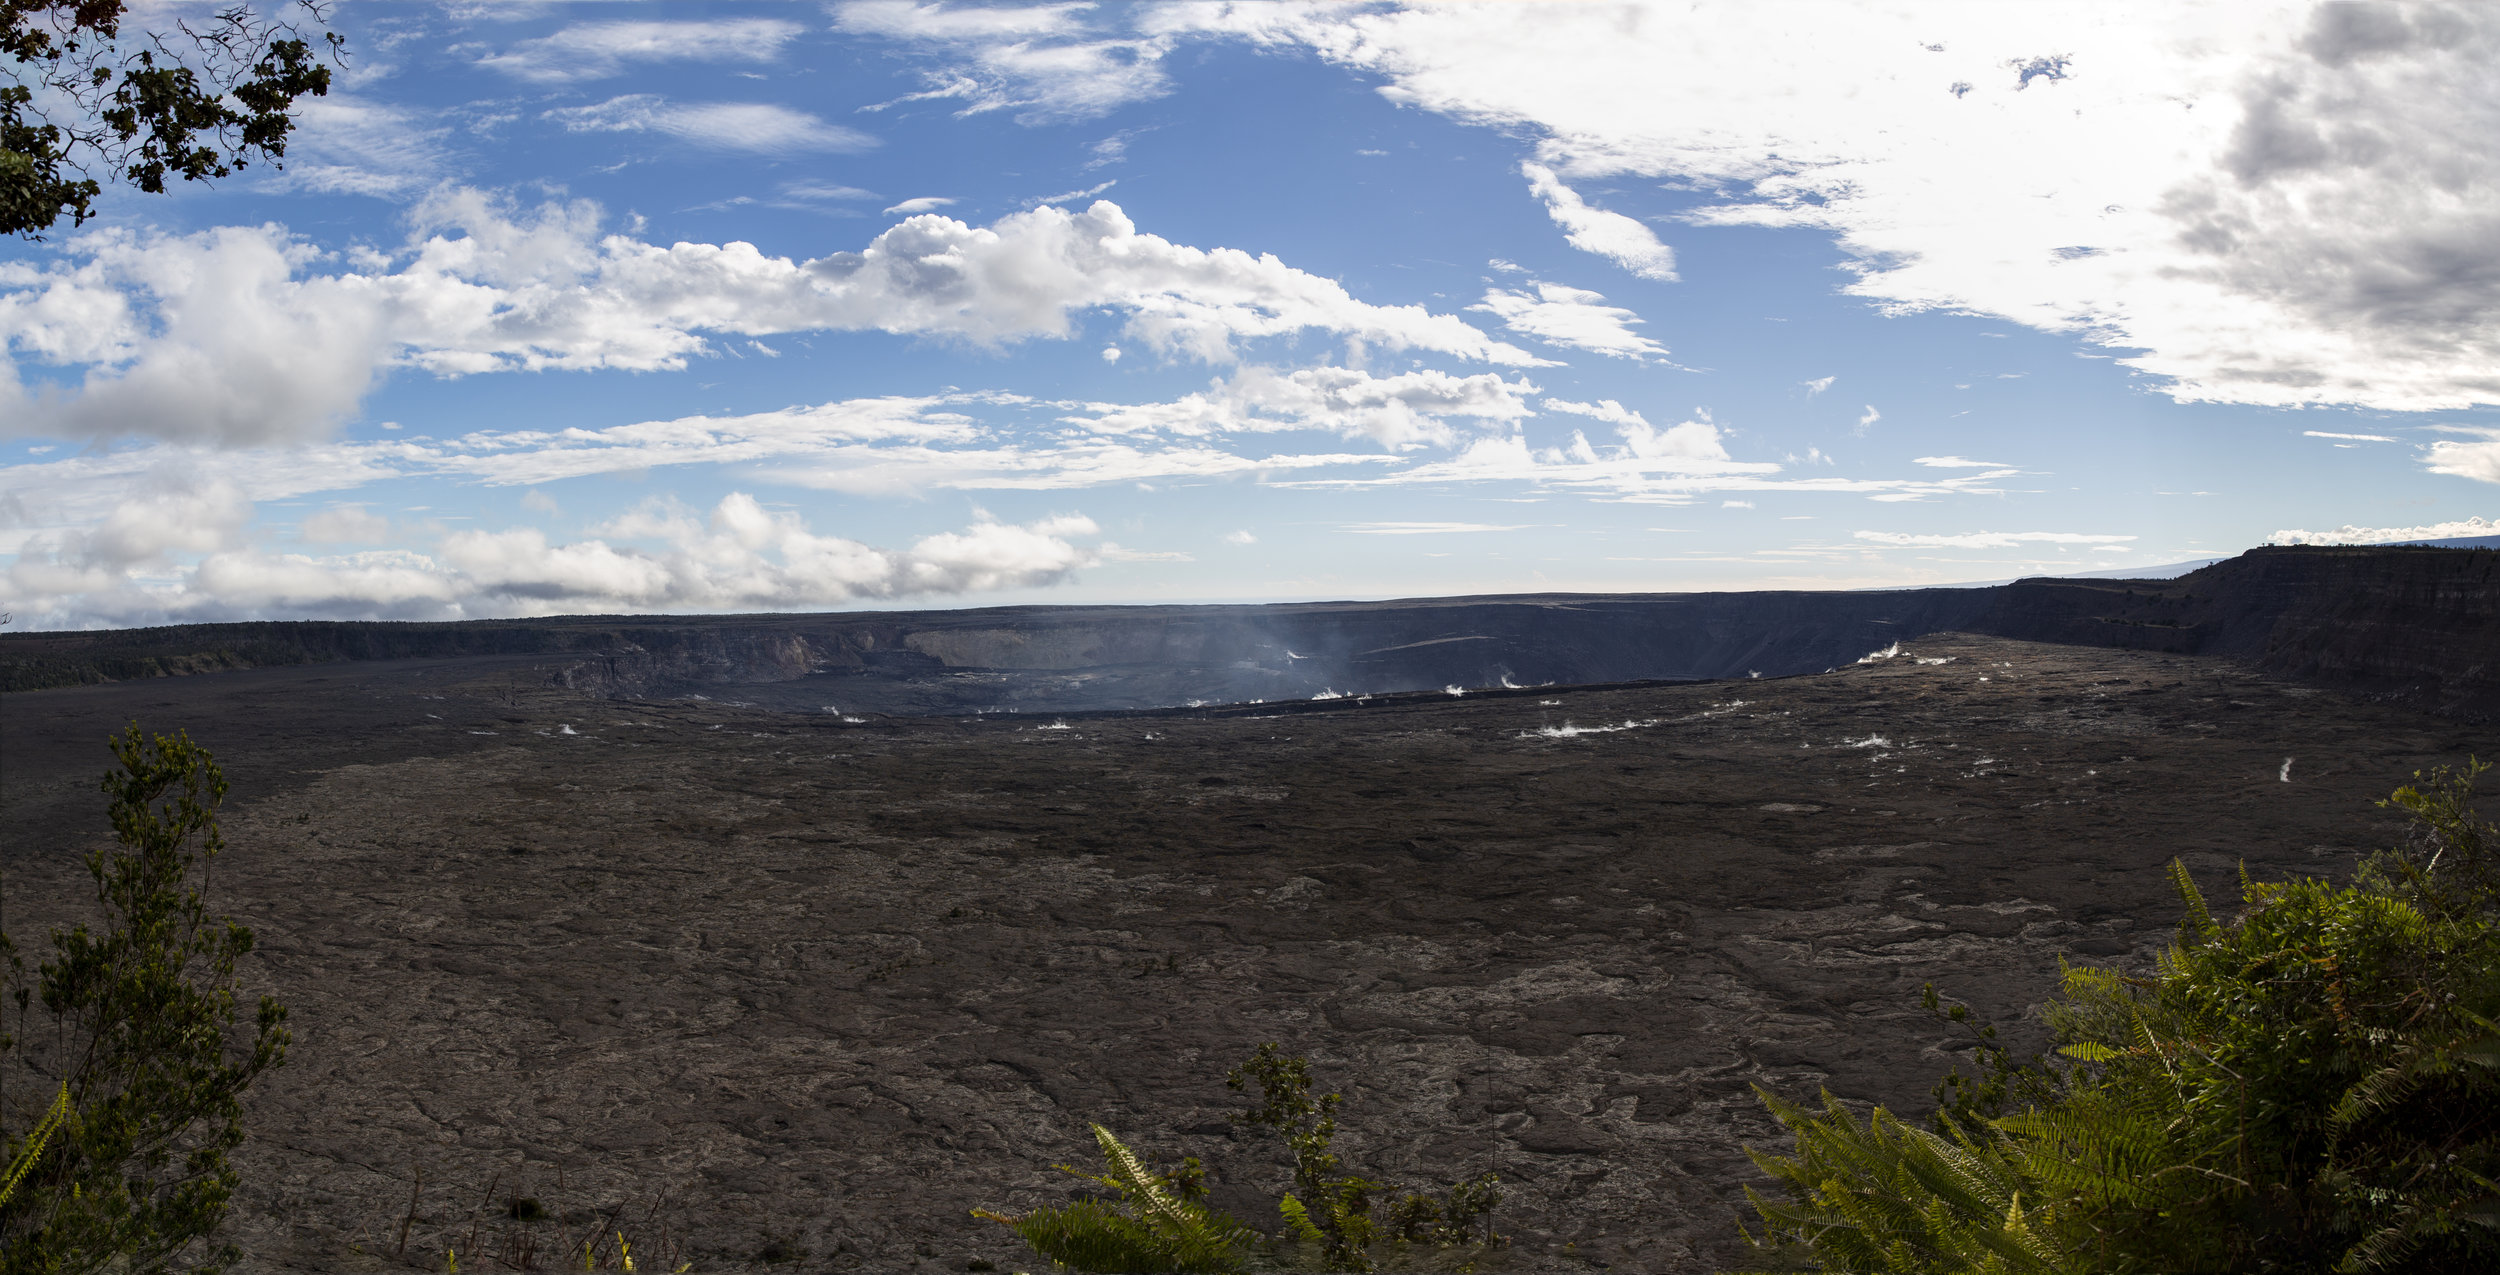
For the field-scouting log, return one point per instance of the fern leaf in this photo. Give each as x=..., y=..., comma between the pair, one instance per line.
x=2198, y=919
x=1298, y=1221
x=1130, y=1175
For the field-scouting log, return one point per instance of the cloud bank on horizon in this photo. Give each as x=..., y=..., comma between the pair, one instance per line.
x=552, y=312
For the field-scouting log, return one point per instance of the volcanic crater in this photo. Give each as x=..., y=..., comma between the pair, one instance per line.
x=757, y=987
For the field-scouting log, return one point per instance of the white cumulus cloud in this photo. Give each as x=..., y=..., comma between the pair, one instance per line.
x=234, y=336
x=740, y=556
x=2478, y=459
x=1604, y=409
x=2461, y=529
x=2253, y=201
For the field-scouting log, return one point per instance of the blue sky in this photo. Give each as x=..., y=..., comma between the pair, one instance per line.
x=612, y=307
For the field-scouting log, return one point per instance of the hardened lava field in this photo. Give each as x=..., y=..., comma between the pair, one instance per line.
x=754, y=985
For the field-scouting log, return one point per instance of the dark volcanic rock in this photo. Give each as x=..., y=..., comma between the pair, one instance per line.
x=743, y=983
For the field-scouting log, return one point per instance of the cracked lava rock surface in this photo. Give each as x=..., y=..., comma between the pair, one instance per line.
x=756, y=987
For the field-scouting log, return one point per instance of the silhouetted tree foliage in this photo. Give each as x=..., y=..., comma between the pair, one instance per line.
x=2311, y=1086
x=194, y=102
x=129, y=1030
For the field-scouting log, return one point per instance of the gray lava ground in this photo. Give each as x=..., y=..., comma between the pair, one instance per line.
x=748, y=985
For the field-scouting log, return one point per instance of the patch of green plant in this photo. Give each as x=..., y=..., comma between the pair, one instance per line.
x=1333, y=1210
x=2310, y=1086
x=1333, y=1220
x=1159, y=1223
x=141, y=1059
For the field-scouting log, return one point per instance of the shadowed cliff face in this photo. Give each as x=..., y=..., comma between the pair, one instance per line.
x=2419, y=625
x=2416, y=625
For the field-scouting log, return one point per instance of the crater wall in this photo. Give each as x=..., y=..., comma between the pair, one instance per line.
x=2412, y=624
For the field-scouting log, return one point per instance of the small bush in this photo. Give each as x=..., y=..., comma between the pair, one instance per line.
x=141, y=1053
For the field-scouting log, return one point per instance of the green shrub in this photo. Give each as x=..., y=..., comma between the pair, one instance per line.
x=1334, y=1210
x=141, y=1039
x=2312, y=1086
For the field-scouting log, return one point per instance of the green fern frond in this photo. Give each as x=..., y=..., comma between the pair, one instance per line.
x=2198, y=920
x=1298, y=1221
x=1882, y=1195
x=1144, y=1192
x=1150, y=1230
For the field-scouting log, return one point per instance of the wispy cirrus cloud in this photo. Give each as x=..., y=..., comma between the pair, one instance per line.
x=1611, y=235
x=1045, y=62
x=1403, y=411
x=350, y=144
x=761, y=127
x=1429, y=528
x=1986, y=539
x=1575, y=318
x=595, y=50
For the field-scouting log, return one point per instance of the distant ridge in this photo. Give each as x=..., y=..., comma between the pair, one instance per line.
x=2412, y=623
